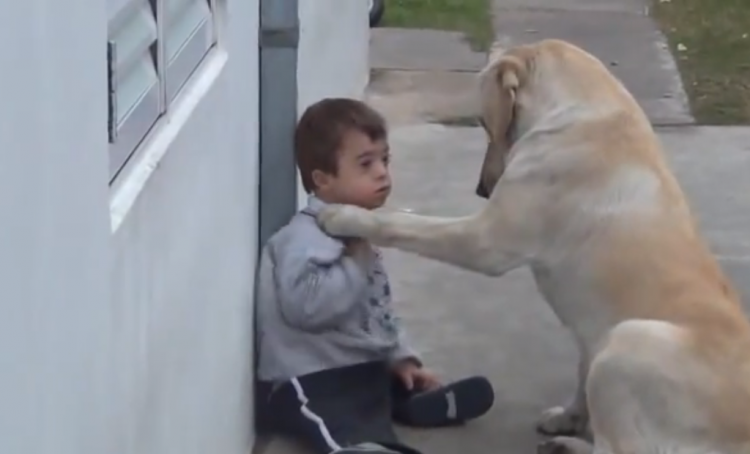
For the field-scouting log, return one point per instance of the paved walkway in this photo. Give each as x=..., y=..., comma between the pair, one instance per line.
x=432, y=70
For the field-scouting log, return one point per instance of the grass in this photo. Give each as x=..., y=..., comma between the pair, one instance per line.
x=472, y=17
x=710, y=40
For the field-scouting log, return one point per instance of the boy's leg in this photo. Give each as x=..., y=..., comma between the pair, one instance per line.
x=449, y=405
x=344, y=410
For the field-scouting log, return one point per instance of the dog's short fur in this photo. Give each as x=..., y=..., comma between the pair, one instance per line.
x=578, y=190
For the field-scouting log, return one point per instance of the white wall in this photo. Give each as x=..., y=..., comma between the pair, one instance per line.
x=125, y=318
x=125, y=315
x=333, y=49
x=333, y=56
x=55, y=318
x=184, y=261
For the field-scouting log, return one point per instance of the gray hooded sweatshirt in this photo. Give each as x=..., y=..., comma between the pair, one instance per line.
x=318, y=309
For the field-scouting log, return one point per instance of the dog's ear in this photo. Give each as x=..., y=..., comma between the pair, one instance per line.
x=499, y=87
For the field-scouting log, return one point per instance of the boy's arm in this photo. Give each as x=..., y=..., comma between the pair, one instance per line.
x=318, y=285
x=403, y=351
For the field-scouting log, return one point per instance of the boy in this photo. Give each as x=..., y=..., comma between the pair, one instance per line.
x=331, y=352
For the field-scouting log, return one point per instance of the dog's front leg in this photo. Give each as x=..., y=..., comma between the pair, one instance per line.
x=569, y=425
x=573, y=418
x=466, y=242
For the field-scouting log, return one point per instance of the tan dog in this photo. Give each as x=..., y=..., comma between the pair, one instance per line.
x=588, y=202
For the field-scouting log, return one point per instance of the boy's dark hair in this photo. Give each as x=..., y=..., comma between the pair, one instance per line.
x=322, y=128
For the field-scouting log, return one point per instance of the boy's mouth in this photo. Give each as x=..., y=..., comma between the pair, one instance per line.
x=384, y=189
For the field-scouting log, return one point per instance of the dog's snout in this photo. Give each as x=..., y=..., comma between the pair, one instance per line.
x=482, y=191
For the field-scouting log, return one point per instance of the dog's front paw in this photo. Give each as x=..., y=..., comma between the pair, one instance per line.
x=562, y=421
x=346, y=221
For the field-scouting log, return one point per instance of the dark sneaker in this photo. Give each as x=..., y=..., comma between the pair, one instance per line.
x=450, y=405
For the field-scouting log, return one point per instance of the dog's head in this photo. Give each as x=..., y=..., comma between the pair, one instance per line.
x=499, y=84
x=523, y=85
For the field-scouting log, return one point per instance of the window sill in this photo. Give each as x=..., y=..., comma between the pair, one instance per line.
x=128, y=186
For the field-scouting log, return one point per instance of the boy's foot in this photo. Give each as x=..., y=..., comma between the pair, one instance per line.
x=365, y=448
x=449, y=405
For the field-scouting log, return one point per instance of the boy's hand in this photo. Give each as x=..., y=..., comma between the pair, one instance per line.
x=414, y=377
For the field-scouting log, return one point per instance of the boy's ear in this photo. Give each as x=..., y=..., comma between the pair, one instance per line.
x=320, y=179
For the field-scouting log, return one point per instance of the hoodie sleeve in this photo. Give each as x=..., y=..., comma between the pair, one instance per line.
x=318, y=287
x=403, y=351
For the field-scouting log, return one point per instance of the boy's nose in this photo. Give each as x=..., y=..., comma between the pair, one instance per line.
x=381, y=170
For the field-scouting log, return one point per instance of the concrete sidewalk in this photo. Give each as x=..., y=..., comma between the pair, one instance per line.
x=429, y=74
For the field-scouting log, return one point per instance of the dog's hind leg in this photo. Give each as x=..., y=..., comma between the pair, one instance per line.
x=643, y=391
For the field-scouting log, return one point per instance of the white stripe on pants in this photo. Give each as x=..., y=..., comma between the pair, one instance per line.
x=309, y=414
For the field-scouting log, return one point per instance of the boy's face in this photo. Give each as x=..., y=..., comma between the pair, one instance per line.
x=363, y=178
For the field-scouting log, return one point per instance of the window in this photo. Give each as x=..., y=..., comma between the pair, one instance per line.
x=154, y=46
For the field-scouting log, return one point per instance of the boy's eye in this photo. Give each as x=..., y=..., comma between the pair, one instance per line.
x=368, y=162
